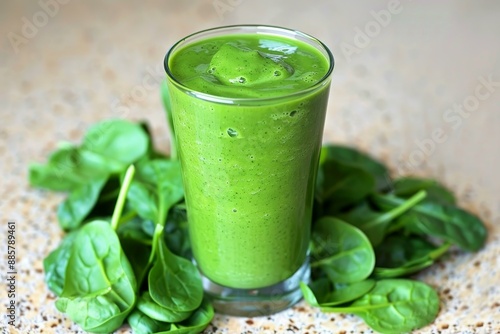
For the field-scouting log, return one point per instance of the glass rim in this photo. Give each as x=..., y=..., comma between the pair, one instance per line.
x=250, y=100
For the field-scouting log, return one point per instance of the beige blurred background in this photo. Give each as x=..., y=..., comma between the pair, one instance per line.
x=416, y=83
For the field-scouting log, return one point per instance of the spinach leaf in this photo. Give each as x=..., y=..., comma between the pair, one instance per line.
x=196, y=323
x=99, y=287
x=342, y=251
x=451, y=224
x=319, y=293
x=119, y=142
x=97, y=275
x=67, y=169
x=108, y=147
x=379, y=272
x=403, y=251
x=136, y=229
x=174, y=282
x=408, y=186
x=446, y=222
x=107, y=197
x=353, y=157
x=142, y=324
x=149, y=307
x=79, y=204
x=344, y=293
x=375, y=224
x=364, y=217
x=156, y=188
x=308, y=294
x=56, y=262
x=395, y=306
x=321, y=288
x=138, y=255
x=342, y=185
x=176, y=231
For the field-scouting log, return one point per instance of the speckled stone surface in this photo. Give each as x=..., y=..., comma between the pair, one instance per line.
x=397, y=81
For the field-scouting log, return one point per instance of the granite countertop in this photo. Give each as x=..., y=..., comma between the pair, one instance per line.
x=417, y=87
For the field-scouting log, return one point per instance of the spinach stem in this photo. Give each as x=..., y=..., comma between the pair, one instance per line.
x=440, y=251
x=324, y=261
x=156, y=235
x=400, y=209
x=120, y=202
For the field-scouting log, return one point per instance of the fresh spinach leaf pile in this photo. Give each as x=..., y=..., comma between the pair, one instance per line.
x=125, y=257
x=369, y=232
x=126, y=254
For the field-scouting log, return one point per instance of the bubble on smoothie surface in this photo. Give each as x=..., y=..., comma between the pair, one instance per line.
x=237, y=65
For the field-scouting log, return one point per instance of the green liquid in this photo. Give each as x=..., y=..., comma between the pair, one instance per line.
x=249, y=168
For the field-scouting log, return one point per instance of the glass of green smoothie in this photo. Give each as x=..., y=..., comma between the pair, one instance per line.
x=248, y=105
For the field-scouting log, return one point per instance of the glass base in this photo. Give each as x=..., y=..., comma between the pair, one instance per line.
x=257, y=302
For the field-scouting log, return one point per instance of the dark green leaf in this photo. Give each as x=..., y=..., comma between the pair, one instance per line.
x=79, y=204
x=451, y=224
x=319, y=294
x=108, y=147
x=379, y=272
x=353, y=157
x=345, y=293
x=67, y=169
x=174, y=282
x=56, y=262
x=375, y=224
x=176, y=232
x=100, y=287
x=196, y=323
x=138, y=254
x=321, y=288
x=118, y=141
x=142, y=324
x=134, y=229
x=308, y=294
x=342, y=251
x=108, y=196
x=363, y=217
x=399, y=250
x=408, y=186
x=342, y=185
x=156, y=188
x=155, y=311
x=395, y=306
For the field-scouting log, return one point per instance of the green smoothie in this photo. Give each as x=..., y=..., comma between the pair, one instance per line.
x=248, y=113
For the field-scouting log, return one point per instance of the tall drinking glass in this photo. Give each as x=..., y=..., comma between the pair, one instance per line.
x=248, y=105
